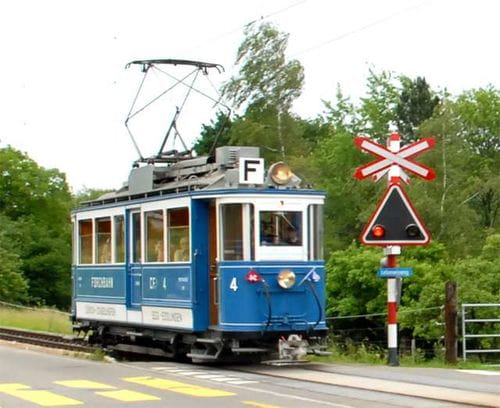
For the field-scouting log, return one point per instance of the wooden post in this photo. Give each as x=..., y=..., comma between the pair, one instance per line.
x=450, y=321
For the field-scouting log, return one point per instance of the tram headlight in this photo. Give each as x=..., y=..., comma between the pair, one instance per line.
x=286, y=278
x=280, y=173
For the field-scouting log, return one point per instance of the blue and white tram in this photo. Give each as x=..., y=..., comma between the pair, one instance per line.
x=213, y=260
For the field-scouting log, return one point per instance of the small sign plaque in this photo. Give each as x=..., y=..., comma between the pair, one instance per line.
x=395, y=272
x=251, y=171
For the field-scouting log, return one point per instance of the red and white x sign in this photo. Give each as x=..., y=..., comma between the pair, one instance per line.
x=388, y=158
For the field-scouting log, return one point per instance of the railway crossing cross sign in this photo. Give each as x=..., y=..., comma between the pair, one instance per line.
x=388, y=158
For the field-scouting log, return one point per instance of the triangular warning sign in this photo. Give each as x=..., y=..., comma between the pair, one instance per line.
x=395, y=222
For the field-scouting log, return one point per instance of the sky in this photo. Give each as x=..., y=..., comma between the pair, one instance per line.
x=65, y=92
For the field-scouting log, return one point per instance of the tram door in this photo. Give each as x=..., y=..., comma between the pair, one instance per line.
x=134, y=260
x=213, y=269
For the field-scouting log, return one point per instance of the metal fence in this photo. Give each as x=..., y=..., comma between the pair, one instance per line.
x=471, y=307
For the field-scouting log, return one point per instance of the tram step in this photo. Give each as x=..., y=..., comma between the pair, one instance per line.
x=202, y=356
x=208, y=341
x=321, y=353
x=130, y=348
x=249, y=350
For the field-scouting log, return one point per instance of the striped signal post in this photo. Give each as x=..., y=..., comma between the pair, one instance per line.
x=392, y=308
x=395, y=172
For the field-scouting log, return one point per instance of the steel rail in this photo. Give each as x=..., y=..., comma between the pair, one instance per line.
x=44, y=339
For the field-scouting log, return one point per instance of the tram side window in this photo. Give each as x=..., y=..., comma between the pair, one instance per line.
x=85, y=241
x=178, y=235
x=103, y=240
x=281, y=228
x=316, y=231
x=119, y=231
x=154, y=236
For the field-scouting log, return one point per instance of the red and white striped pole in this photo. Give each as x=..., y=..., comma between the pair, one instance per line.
x=393, y=144
x=392, y=310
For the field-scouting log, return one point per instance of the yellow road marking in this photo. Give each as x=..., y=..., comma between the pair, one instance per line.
x=176, y=386
x=39, y=397
x=120, y=395
x=85, y=384
x=128, y=396
x=259, y=405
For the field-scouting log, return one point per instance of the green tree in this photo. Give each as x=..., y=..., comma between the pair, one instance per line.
x=378, y=108
x=88, y=194
x=265, y=78
x=214, y=135
x=13, y=287
x=46, y=260
x=392, y=100
x=478, y=277
x=479, y=126
x=424, y=292
x=468, y=183
x=349, y=201
x=415, y=105
x=28, y=189
x=280, y=137
x=266, y=85
x=353, y=287
x=479, y=121
x=37, y=202
x=353, y=292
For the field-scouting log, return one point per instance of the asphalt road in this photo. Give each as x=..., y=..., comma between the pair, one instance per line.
x=37, y=377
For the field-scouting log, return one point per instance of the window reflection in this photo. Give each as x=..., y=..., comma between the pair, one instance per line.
x=178, y=235
x=154, y=236
x=119, y=238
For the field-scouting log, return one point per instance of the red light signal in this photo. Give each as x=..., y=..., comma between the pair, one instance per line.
x=378, y=231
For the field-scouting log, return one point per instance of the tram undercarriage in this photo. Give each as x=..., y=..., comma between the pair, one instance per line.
x=211, y=346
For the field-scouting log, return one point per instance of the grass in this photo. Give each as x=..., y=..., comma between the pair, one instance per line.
x=43, y=320
x=39, y=319
x=362, y=354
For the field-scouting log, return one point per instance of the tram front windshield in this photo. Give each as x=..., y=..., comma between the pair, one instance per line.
x=281, y=228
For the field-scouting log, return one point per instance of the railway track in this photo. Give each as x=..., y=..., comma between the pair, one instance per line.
x=43, y=339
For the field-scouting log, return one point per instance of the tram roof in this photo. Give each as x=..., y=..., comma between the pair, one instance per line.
x=196, y=177
x=196, y=194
